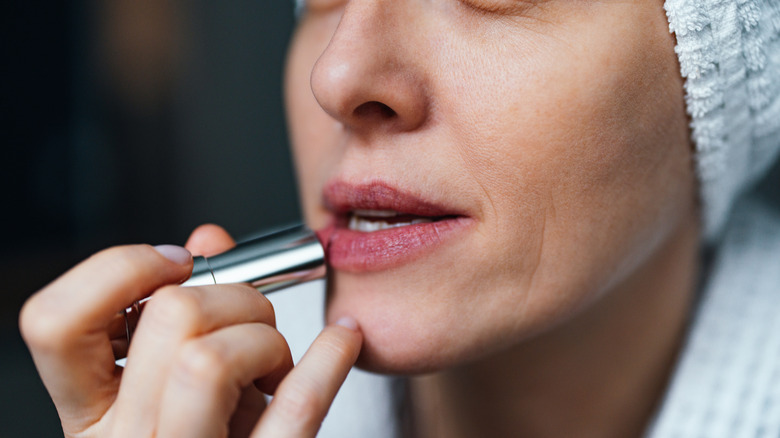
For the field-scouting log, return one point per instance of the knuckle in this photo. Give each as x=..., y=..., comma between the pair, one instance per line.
x=201, y=364
x=265, y=310
x=48, y=322
x=276, y=342
x=259, y=306
x=173, y=308
x=40, y=325
x=281, y=343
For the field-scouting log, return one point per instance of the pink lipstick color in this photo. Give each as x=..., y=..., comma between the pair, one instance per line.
x=357, y=251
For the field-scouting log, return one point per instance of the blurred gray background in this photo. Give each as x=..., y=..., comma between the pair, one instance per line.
x=130, y=121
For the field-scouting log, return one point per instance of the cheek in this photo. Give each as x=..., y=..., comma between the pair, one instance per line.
x=312, y=133
x=590, y=168
x=582, y=166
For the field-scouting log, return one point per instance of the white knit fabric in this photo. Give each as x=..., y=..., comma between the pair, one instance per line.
x=729, y=52
x=727, y=383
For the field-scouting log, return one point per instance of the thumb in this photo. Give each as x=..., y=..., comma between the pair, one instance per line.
x=208, y=240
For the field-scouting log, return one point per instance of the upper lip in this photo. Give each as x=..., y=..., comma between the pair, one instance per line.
x=343, y=198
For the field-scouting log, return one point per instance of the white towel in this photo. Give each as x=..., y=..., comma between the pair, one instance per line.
x=729, y=52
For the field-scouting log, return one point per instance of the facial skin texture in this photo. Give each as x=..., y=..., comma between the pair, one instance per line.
x=558, y=127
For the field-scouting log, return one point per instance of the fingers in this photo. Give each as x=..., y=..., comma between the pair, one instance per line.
x=304, y=397
x=250, y=407
x=175, y=316
x=197, y=356
x=87, y=297
x=65, y=324
x=208, y=240
x=211, y=373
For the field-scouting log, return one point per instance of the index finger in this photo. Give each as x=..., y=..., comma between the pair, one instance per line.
x=87, y=297
x=65, y=324
x=305, y=395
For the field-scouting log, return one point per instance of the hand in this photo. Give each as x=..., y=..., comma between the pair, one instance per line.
x=200, y=356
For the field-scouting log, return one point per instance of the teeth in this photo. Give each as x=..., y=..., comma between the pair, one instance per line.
x=376, y=213
x=357, y=223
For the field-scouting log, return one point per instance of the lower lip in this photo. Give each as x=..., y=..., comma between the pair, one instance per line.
x=356, y=251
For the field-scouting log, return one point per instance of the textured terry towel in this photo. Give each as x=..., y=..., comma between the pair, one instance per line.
x=729, y=52
x=727, y=382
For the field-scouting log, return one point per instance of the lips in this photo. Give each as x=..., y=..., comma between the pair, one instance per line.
x=376, y=226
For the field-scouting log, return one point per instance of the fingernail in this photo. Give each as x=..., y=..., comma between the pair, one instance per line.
x=348, y=322
x=174, y=253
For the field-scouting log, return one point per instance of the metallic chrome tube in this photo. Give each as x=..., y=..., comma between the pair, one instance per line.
x=271, y=262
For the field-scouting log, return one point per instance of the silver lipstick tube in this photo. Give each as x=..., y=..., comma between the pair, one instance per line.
x=270, y=262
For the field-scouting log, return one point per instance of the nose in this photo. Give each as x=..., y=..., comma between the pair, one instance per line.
x=368, y=77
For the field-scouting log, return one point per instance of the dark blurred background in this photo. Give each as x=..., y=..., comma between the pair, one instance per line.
x=130, y=121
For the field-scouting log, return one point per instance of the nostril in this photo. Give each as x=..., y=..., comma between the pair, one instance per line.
x=374, y=109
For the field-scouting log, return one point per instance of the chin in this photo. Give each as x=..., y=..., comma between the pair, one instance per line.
x=401, y=330
x=412, y=325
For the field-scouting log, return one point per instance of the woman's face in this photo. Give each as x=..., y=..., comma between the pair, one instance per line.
x=484, y=169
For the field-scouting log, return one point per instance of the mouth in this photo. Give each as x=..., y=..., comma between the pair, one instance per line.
x=376, y=226
x=368, y=221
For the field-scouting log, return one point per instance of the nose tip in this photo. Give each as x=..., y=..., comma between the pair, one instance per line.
x=364, y=80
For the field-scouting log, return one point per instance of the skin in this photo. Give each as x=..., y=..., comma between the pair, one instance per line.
x=559, y=128
x=200, y=356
